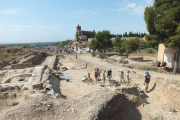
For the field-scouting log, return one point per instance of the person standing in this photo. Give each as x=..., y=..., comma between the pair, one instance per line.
x=96, y=74
x=58, y=66
x=99, y=70
x=122, y=76
x=146, y=81
x=104, y=77
x=127, y=78
x=109, y=74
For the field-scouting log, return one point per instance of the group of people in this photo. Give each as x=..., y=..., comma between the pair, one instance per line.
x=126, y=79
x=122, y=77
x=97, y=76
x=146, y=80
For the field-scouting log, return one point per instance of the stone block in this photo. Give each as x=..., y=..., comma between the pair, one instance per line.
x=4, y=95
x=25, y=88
x=12, y=95
x=43, y=91
x=39, y=86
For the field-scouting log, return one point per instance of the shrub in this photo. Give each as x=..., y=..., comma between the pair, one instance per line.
x=156, y=48
x=102, y=55
x=93, y=53
x=149, y=50
x=23, y=46
x=144, y=44
x=100, y=50
x=130, y=67
x=109, y=50
x=13, y=49
x=6, y=56
x=148, y=69
x=1, y=46
x=123, y=61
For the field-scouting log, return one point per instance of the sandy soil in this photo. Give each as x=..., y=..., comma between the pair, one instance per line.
x=158, y=102
x=75, y=89
x=15, y=80
x=45, y=61
x=156, y=106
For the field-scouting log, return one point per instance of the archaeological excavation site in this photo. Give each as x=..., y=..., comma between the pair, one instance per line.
x=31, y=88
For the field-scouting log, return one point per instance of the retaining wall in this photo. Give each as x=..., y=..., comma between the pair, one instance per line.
x=22, y=66
x=30, y=61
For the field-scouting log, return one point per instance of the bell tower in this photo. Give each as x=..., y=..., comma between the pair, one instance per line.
x=78, y=28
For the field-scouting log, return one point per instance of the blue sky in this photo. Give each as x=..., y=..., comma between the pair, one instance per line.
x=26, y=21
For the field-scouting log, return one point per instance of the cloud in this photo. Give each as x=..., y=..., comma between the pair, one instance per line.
x=21, y=26
x=131, y=5
x=80, y=16
x=8, y=11
x=45, y=26
x=95, y=12
x=136, y=8
x=120, y=9
x=81, y=13
x=150, y=2
x=107, y=9
x=124, y=6
x=139, y=10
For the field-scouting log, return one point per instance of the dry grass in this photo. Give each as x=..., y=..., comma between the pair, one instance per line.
x=10, y=53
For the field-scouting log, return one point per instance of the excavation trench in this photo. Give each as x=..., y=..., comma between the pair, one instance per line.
x=121, y=106
x=162, y=101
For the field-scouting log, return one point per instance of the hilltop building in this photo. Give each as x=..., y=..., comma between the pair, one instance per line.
x=83, y=35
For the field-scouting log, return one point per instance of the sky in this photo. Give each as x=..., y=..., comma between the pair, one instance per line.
x=28, y=21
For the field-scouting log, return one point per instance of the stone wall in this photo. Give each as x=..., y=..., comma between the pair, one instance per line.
x=29, y=61
x=46, y=54
x=32, y=58
x=22, y=66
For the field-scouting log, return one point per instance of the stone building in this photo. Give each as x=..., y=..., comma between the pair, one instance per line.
x=83, y=34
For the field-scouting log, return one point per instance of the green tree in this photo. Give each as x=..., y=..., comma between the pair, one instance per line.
x=94, y=44
x=131, y=45
x=117, y=42
x=122, y=48
x=102, y=40
x=78, y=39
x=128, y=46
x=163, y=21
x=65, y=42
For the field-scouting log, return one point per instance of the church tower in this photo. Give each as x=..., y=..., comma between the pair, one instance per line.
x=78, y=28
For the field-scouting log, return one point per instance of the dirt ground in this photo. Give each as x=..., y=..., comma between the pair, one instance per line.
x=44, y=61
x=160, y=103
x=155, y=104
x=15, y=80
x=75, y=89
